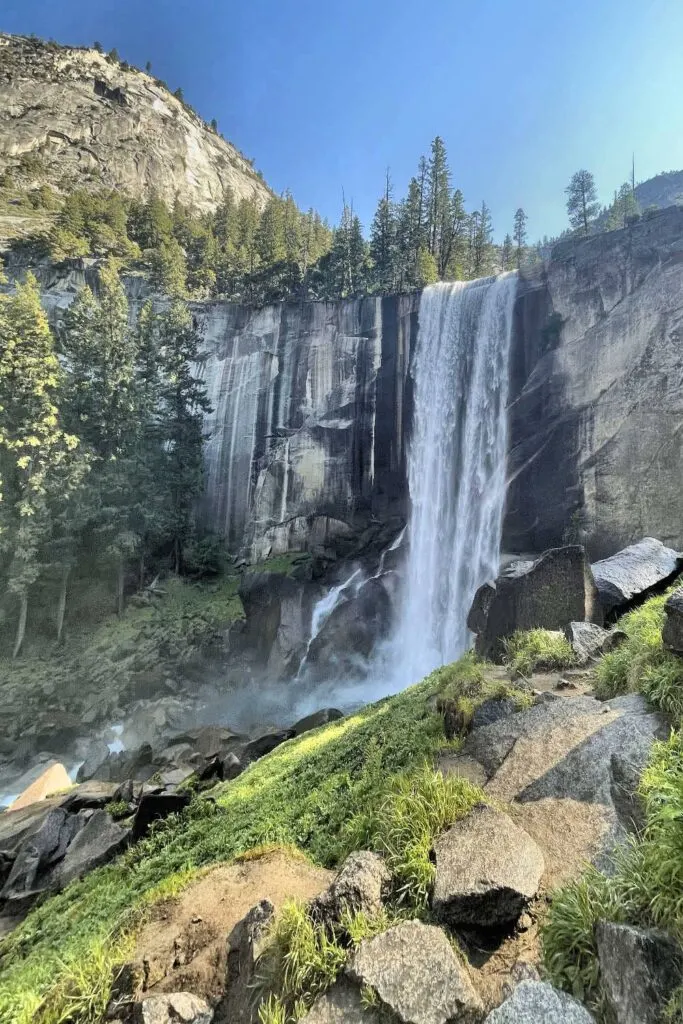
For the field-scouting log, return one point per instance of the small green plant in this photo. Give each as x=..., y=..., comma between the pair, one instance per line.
x=405, y=822
x=272, y=1011
x=118, y=809
x=642, y=663
x=537, y=649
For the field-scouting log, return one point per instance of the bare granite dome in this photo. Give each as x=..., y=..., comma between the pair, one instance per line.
x=95, y=122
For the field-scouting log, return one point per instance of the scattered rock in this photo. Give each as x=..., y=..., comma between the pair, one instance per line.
x=672, y=633
x=361, y=884
x=154, y=806
x=413, y=970
x=246, y=943
x=265, y=744
x=549, y=593
x=534, y=1002
x=231, y=766
x=463, y=766
x=176, y=1008
x=492, y=710
x=639, y=970
x=586, y=639
x=487, y=870
x=634, y=571
x=52, y=780
x=100, y=840
x=342, y=1004
x=90, y=796
x=39, y=853
x=615, y=638
x=315, y=720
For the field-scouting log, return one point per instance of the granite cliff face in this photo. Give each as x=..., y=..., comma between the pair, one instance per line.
x=596, y=399
x=311, y=406
x=94, y=122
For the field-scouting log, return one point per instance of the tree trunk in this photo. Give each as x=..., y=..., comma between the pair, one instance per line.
x=61, y=605
x=141, y=570
x=119, y=588
x=21, y=624
x=178, y=555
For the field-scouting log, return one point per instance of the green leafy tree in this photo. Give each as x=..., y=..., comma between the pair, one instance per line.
x=507, y=253
x=582, y=201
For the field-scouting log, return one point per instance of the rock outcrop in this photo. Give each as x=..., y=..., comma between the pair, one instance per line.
x=672, y=633
x=596, y=399
x=631, y=573
x=639, y=971
x=547, y=593
x=534, y=1002
x=97, y=123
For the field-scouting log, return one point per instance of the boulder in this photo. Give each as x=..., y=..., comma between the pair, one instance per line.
x=345, y=641
x=416, y=975
x=314, y=721
x=99, y=841
x=672, y=633
x=361, y=884
x=155, y=806
x=548, y=593
x=32, y=871
x=208, y=740
x=341, y=1004
x=278, y=614
x=586, y=639
x=246, y=943
x=534, y=1002
x=492, y=710
x=639, y=970
x=176, y=1008
x=16, y=826
x=90, y=796
x=53, y=779
x=263, y=745
x=487, y=870
x=231, y=766
x=634, y=571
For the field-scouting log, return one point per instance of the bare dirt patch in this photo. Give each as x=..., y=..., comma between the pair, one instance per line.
x=182, y=947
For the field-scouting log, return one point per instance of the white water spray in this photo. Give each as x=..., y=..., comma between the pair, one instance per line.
x=456, y=466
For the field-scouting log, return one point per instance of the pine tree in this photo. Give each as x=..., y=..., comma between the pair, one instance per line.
x=520, y=236
x=454, y=248
x=184, y=403
x=506, y=253
x=383, y=242
x=33, y=445
x=582, y=200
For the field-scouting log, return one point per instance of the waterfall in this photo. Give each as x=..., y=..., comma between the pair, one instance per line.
x=456, y=466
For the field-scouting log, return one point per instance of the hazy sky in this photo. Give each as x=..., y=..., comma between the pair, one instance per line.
x=325, y=94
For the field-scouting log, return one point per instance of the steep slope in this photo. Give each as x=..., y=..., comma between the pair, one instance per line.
x=664, y=189
x=74, y=117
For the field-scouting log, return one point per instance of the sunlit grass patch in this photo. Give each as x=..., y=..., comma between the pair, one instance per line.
x=535, y=650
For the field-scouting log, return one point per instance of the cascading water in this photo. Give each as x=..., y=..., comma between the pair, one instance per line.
x=456, y=466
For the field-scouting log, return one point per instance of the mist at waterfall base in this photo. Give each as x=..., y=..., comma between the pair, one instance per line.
x=456, y=477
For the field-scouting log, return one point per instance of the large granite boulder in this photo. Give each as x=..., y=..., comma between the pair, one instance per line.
x=39, y=854
x=639, y=970
x=534, y=1002
x=548, y=593
x=361, y=885
x=99, y=841
x=246, y=943
x=342, y=1004
x=156, y=806
x=634, y=571
x=348, y=636
x=52, y=780
x=175, y=1008
x=415, y=974
x=487, y=870
x=278, y=615
x=672, y=633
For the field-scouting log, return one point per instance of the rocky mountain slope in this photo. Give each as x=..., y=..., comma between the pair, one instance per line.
x=665, y=189
x=72, y=117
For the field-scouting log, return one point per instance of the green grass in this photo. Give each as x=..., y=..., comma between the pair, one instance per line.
x=642, y=663
x=538, y=650
x=645, y=889
x=465, y=684
x=305, y=793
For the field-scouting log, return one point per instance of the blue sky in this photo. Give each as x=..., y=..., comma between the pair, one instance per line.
x=325, y=94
